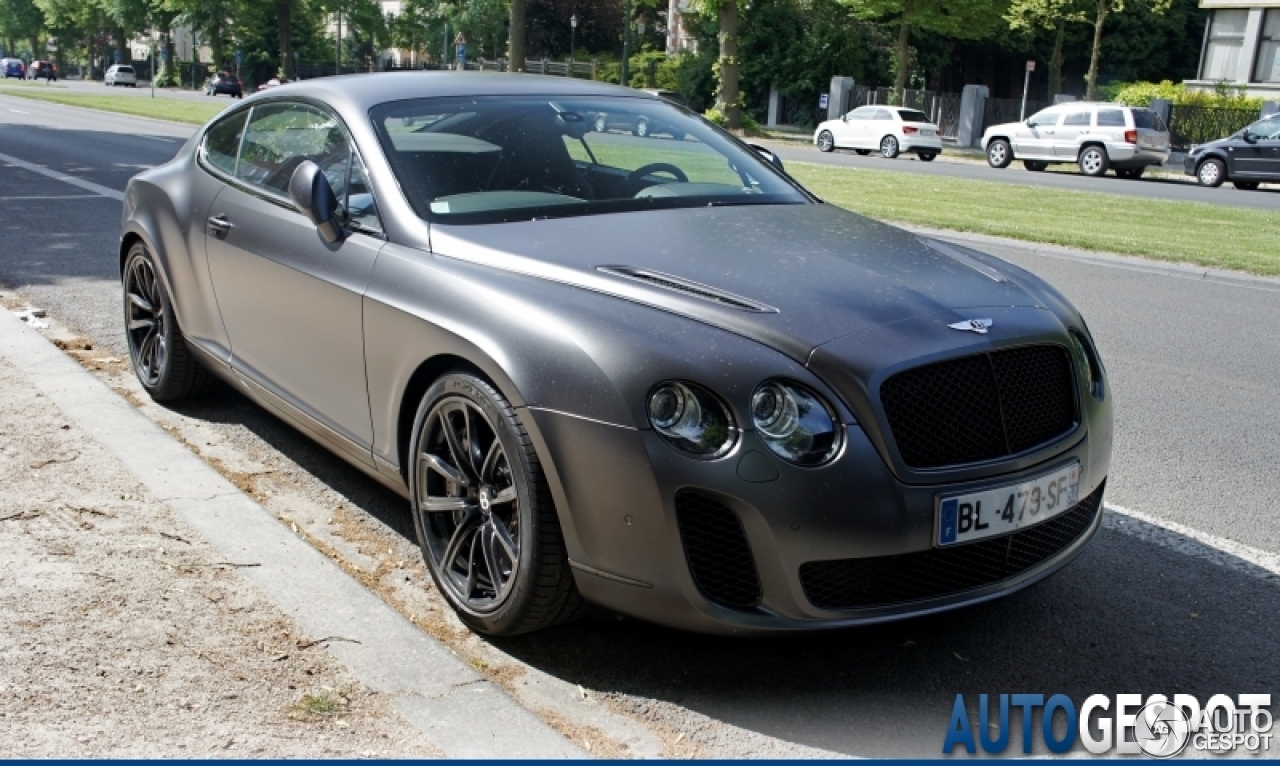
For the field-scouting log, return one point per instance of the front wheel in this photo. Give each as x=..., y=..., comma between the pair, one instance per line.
x=826, y=142
x=1093, y=161
x=1035, y=166
x=1246, y=185
x=999, y=154
x=889, y=147
x=1211, y=173
x=483, y=512
x=163, y=363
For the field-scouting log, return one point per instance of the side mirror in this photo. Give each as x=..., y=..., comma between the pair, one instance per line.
x=772, y=158
x=313, y=197
x=1249, y=138
x=1030, y=124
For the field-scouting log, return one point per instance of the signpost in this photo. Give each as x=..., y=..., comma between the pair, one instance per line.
x=1026, y=80
x=460, y=45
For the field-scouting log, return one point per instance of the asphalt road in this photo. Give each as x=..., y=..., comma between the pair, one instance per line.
x=1267, y=198
x=1193, y=361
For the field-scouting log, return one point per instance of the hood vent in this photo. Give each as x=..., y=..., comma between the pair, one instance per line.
x=697, y=290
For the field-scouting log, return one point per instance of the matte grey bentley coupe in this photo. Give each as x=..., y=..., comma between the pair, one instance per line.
x=653, y=374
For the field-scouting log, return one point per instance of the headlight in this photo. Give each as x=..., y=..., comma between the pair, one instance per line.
x=692, y=419
x=795, y=423
x=1086, y=350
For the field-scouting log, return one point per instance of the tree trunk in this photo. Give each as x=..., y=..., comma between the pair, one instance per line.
x=515, y=37
x=1104, y=6
x=122, y=45
x=904, y=54
x=217, y=46
x=1055, y=61
x=727, y=96
x=284, y=12
x=34, y=42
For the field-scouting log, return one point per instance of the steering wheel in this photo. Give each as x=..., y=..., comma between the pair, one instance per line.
x=657, y=167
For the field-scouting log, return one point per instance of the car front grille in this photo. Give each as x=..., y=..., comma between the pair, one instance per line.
x=888, y=580
x=980, y=407
x=717, y=550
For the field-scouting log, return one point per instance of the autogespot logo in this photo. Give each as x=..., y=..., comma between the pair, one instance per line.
x=1126, y=724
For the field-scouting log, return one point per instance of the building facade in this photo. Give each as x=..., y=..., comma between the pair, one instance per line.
x=1241, y=47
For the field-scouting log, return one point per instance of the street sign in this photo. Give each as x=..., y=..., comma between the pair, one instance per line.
x=1031, y=66
x=116, y=56
x=822, y=101
x=51, y=45
x=462, y=51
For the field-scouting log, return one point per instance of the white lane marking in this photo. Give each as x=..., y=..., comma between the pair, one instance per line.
x=19, y=111
x=158, y=138
x=1226, y=553
x=99, y=189
x=64, y=196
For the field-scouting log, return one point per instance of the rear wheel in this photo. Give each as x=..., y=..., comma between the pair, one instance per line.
x=601, y=123
x=163, y=363
x=1094, y=161
x=826, y=142
x=999, y=155
x=484, y=514
x=889, y=147
x=1211, y=173
x=1034, y=165
x=1245, y=185
x=642, y=128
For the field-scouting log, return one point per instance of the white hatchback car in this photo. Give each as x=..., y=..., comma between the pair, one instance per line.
x=1095, y=136
x=889, y=130
x=121, y=74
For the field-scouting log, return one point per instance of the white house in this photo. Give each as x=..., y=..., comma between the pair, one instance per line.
x=1242, y=46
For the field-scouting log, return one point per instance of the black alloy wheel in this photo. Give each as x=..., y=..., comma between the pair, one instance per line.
x=163, y=363
x=483, y=512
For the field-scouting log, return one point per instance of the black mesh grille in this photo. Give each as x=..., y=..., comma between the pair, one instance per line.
x=717, y=550
x=884, y=580
x=980, y=407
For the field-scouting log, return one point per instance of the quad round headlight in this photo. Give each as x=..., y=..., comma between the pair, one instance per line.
x=795, y=423
x=692, y=419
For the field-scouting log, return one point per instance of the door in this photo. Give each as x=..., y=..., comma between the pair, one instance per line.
x=290, y=301
x=1075, y=128
x=1261, y=158
x=854, y=125
x=1033, y=139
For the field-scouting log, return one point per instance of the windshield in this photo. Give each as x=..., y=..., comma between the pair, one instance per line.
x=493, y=159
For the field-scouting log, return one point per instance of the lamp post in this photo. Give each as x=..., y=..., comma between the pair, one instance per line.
x=573, y=35
x=153, y=63
x=624, y=75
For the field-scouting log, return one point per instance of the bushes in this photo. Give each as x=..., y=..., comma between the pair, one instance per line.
x=748, y=122
x=1223, y=95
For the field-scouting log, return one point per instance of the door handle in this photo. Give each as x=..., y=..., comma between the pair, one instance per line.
x=219, y=226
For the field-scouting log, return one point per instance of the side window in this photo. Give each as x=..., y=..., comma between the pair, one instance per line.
x=281, y=136
x=860, y=114
x=1077, y=118
x=359, y=202
x=222, y=142
x=1268, y=129
x=882, y=114
x=1110, y=118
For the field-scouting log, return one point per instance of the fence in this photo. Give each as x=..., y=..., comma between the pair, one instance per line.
x=998, y=111
x=946, y=114
x=1190, y=125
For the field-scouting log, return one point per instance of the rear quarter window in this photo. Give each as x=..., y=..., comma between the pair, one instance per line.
x=913, y=115
x=1111, y=118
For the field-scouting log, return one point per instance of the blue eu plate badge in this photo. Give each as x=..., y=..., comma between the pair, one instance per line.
x=947, y=529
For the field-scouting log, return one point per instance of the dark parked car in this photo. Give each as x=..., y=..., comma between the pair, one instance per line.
x=659, y=376
x=42, y=69
x=639, y=124
x=13, y=68
x=224, y=82
x=1246, y=158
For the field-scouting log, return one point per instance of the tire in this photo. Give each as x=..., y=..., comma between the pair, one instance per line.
x=826, y=141
x=164, y=365
x=602, y=123
x=1212, y=172
x=862, y=152
x=1035, y=166
x=641, y=129
x=1130, y=174
x=469, y=520
x=889, y=147
x=1246, y=185
x=1093, y=161
x=926, y=156
x=999, y=153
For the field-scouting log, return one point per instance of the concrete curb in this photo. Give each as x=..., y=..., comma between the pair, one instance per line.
x=455, y=707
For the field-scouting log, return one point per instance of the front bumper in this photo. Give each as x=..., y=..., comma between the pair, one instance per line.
x=1190, y=164
x=617, y=488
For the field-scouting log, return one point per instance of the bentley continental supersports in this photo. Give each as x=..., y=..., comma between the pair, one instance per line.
x=654, y=374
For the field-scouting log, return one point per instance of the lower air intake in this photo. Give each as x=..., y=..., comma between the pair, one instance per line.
x=717, y=550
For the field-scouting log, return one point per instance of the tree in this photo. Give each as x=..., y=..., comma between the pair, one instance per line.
x=516, y=36
x=21, y=20
x=1053, y=15
x=958, y=19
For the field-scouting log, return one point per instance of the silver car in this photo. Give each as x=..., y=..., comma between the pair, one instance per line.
x=655, y=375
x=1095, y=136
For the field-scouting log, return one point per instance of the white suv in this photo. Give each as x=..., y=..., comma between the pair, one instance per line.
x=1096, y=136
x=121, y=74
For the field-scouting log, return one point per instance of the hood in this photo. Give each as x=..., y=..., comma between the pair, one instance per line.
x=791, y=276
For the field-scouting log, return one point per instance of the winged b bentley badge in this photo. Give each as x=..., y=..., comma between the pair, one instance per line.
x=973, y=325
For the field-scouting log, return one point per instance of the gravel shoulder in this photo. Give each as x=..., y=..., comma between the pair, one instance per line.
x=122, y=634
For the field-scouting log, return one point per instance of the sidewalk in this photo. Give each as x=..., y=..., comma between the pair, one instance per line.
x=150, y=609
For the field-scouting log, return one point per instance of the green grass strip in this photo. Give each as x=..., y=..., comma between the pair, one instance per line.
x=160, y=107
x=1219, y=236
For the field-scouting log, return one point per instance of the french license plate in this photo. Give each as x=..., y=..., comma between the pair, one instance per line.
x=926, y=132
x=973, y=516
